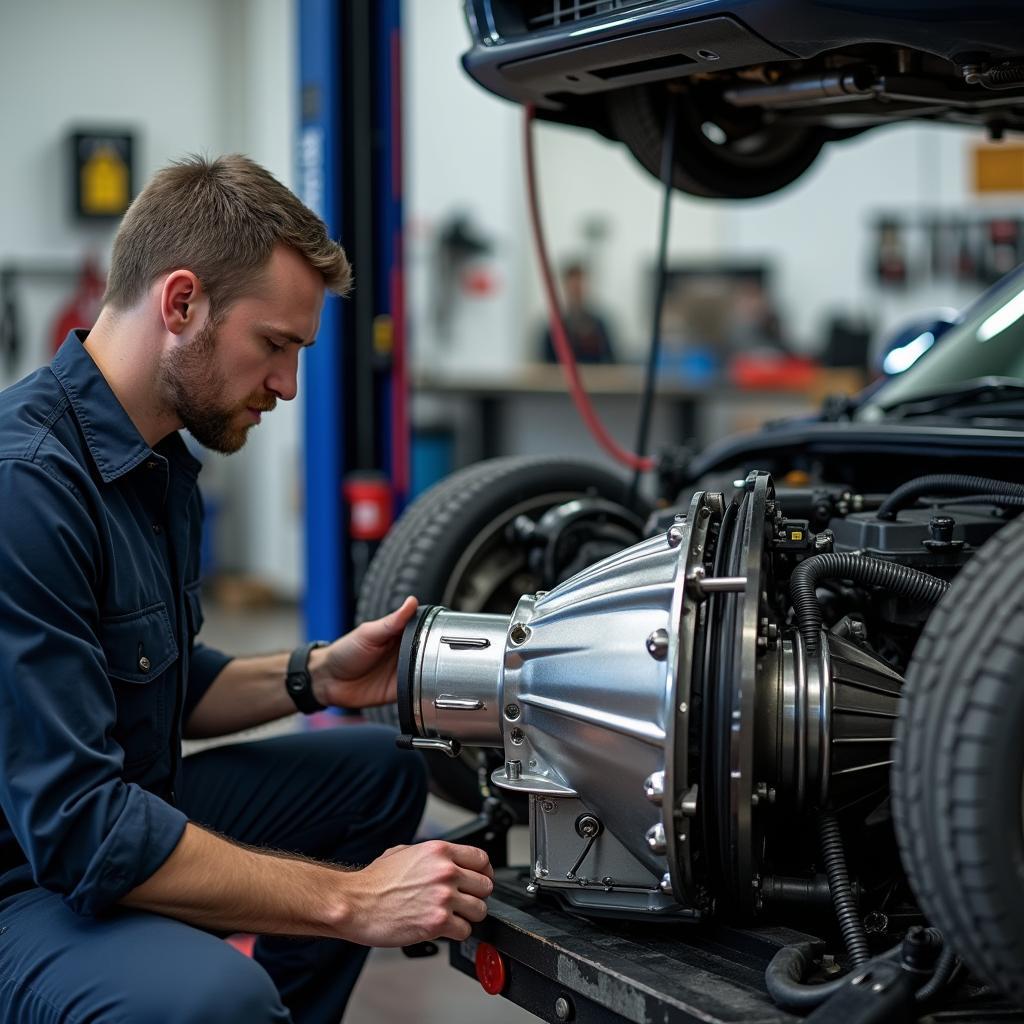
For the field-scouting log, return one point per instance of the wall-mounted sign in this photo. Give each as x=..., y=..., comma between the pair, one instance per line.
x=999, y=168
x=102, y=173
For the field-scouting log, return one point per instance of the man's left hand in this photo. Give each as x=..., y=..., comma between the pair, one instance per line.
x=360, y=669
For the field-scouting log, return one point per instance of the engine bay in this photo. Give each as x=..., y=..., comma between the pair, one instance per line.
x=704, y=723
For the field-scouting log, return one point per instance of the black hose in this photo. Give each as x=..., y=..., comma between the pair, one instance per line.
x=1001, y=500
x=843, y=898
x=784, y=977
x=899, y=579
x=944, y=968
x=668, y=149
x=944, y=483
x=785, y=974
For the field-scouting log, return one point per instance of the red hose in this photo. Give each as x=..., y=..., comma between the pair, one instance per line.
x=559, y=338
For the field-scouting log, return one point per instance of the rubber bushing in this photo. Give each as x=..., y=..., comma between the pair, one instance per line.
x=407, y=666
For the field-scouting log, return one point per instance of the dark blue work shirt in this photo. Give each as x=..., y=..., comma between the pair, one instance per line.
x=99, y=605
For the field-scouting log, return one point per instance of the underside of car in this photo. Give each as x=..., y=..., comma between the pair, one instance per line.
x=756, y=88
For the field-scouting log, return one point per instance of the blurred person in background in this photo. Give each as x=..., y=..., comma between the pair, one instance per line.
x=585, y=326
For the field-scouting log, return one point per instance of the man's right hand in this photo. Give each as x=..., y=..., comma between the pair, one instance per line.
x=416, y=893
x=409, y=894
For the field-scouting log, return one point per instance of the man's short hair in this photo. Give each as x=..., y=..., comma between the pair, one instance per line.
x=221, y=219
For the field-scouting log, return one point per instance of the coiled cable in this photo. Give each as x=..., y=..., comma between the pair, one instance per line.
x=1008, y=75
x=854, y=935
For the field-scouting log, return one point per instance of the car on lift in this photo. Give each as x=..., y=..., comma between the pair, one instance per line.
x=784, y=692
x=757, y=87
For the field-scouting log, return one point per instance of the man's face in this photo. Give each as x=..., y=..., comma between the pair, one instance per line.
x=236, y=368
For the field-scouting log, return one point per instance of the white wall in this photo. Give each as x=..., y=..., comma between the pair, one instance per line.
x=207, y=76
x=263, y=482
x=819, y=232
x=154, y=67
x=462, y=153
x=585, y=181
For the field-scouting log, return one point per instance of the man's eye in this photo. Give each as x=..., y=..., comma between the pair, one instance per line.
x=273, y=346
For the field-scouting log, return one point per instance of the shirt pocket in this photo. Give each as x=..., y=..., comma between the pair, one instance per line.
x=141, y=655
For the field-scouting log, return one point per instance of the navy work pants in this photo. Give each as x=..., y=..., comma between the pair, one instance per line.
x=343, y=795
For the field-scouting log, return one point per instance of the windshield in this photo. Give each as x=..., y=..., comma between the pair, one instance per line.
x=987, y=341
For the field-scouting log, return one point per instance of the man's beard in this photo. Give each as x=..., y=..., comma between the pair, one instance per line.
x=194, y=386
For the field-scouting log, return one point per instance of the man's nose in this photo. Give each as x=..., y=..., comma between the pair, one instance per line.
x=284, y=380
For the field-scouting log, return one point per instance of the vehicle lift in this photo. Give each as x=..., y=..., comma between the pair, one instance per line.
x=349, y=171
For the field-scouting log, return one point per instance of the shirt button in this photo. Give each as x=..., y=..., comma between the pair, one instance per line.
x=152, y=464
x=144, y=663
x=157, y=528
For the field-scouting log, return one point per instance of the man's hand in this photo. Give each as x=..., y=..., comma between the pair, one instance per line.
x=409, y=894
x=359, y=670
x=416, y=893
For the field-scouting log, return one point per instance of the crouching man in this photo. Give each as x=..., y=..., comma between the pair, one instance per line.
x=121, y=864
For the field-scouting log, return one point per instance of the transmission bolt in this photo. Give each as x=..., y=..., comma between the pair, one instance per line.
x=657, y=644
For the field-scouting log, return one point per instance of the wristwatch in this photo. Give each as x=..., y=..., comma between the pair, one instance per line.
x=299, y=683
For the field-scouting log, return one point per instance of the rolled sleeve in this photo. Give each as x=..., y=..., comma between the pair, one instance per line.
x=206, y=664
x=85, y=832
x=139, y=839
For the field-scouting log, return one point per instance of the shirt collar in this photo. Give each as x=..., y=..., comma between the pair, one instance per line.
x=114, y=441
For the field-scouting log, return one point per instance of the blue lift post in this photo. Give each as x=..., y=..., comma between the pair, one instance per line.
x=349, y=172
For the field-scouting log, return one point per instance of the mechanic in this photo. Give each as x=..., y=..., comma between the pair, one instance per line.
x=122, y=865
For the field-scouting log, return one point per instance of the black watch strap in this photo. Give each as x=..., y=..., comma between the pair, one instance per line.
x=299, y=683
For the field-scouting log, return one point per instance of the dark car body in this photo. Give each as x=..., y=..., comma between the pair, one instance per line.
x=760, y=84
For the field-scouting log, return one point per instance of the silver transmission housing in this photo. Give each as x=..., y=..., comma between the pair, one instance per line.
x=658, y=715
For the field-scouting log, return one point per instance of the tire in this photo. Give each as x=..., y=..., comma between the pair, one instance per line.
x=959, y=764
x=751, y=158
x=429, y=552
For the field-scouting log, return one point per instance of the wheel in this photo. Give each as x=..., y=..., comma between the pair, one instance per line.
x=481, y=539
x=958, y=799
x=721, y=152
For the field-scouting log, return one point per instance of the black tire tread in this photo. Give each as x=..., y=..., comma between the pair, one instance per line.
x=638, y=123
x=963, y=686
x=398, y=564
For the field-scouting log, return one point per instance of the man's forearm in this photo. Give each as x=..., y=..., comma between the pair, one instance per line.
x=213, y=883
x=246, y=693
x=409, y=894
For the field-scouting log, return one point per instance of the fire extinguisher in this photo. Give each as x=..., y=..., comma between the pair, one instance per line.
x=83, y=307
x=370, y=505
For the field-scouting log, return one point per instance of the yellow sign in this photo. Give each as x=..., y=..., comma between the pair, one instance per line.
x=104, y=183
x=999, y=168
x=101, y=177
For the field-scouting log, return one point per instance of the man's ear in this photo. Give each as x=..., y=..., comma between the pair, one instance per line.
x=182, y=301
